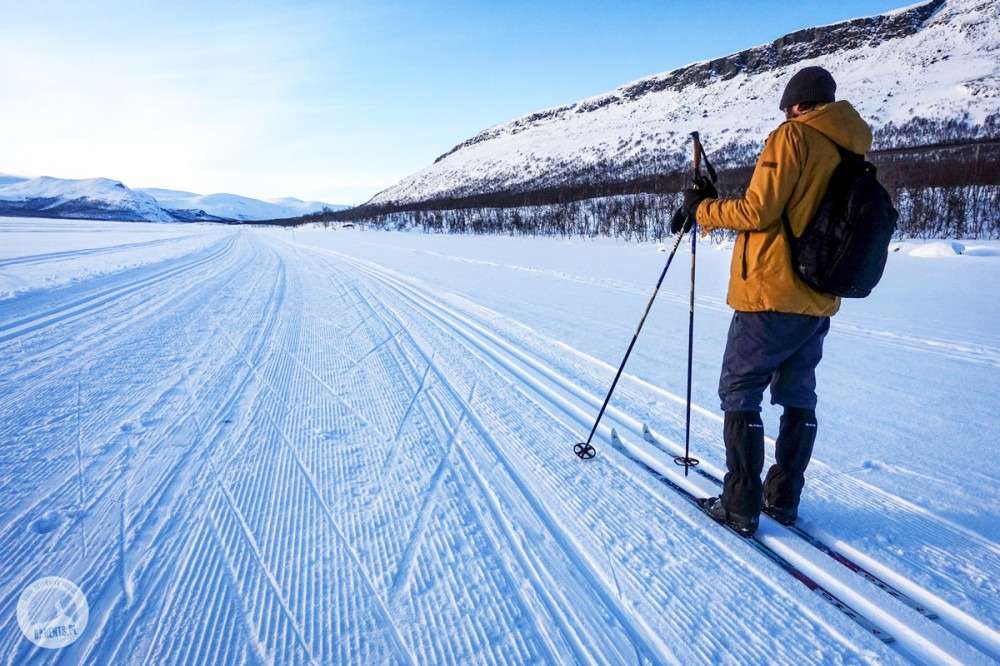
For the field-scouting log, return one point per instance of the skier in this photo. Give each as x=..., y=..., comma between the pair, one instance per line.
x=777, y=330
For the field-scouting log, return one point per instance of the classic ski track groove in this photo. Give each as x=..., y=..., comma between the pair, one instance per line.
x=92, y=303
x=913, y=643
x=90, y=252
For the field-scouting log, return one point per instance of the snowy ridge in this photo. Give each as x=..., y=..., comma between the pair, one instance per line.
x=937, y=60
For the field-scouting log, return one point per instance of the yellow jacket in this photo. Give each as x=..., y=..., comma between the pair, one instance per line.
x=791, y=174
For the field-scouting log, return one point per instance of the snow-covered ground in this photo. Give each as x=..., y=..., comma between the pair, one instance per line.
x=277, y=446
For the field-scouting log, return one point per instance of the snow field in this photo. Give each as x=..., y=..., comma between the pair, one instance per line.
x=341, y=447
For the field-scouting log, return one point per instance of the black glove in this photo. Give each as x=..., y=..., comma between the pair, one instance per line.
x=685, y=215
x=679, y=221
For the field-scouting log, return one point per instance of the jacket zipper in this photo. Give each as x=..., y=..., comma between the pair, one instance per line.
x=746, y=244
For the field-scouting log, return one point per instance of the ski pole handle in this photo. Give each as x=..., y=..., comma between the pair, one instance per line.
x=697, y=153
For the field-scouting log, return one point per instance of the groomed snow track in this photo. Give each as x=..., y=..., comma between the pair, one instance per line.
x=267, y=452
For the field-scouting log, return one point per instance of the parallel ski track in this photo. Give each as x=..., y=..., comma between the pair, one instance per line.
x=768, y=552
x=901, y=588
x=578, y=639
x=806, y=536
x=392, y=504
x=89, y=252
x=894, y=615
x=91, y=303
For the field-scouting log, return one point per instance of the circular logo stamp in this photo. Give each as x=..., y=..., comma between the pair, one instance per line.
x=52, y=612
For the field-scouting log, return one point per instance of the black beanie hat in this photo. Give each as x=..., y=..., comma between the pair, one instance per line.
x=810, y=84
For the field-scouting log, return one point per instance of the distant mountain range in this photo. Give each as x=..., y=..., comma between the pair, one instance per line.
x=105, y=199
x=919, y=75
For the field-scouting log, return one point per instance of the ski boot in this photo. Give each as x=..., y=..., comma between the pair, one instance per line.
x=786, y=517
x=745, y=526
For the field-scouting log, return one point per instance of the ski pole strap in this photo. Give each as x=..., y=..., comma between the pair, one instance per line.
x=708, y=165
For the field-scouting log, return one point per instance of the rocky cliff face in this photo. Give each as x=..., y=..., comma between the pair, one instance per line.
x=937, y=62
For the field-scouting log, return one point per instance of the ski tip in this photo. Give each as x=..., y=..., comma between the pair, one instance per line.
x=647, y=434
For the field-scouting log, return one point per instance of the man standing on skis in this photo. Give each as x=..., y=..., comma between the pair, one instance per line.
x=776, y=334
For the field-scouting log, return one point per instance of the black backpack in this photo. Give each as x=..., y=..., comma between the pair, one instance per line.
x=843, y=249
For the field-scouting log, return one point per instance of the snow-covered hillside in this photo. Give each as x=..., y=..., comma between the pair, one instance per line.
x=104, y=199
x=938, y=60
x=286, y=446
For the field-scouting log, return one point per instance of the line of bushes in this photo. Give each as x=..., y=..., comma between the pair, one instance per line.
x=944, y=177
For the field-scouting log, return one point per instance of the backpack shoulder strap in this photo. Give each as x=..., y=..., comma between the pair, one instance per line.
x=845, y=156
x=787, y=224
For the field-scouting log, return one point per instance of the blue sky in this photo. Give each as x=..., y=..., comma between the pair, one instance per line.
x=328, y=100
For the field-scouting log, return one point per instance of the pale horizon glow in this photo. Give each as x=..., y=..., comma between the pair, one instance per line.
x=326, y=100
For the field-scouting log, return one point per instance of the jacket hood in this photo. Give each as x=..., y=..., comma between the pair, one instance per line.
x=842, y=124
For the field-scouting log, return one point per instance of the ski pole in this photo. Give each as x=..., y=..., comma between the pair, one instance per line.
x=584, y=449
x=686, y=461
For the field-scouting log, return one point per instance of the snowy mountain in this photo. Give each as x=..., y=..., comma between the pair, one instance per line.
x=233, y=206
x=104, y=199
x=91, y=198
x=936, y=61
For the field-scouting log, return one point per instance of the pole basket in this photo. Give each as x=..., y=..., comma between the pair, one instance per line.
x=584, y=451
x=685, y=461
